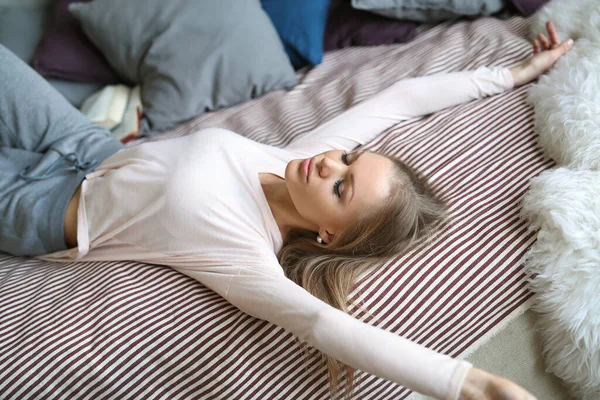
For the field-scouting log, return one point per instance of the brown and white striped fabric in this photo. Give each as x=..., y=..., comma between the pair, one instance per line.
x=126, y=330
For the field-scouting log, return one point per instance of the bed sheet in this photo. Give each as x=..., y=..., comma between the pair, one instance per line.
x=127, y=330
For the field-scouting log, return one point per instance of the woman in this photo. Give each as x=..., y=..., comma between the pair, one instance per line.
x=261, y=226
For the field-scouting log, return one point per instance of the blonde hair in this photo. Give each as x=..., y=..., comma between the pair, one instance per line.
x=329, y=271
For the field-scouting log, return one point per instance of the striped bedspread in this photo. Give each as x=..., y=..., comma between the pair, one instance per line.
x=126, y=330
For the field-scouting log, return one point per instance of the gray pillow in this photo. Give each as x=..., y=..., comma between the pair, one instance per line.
x=430, y=10
x=190, y=56
x=21, y=29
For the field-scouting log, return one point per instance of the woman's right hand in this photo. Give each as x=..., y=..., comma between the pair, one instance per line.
x=544, y=56
x=480, y=385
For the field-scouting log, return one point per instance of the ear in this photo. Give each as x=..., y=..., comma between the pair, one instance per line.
x=326, y=235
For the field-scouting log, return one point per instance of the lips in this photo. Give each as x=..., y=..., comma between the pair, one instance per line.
x=306, y=168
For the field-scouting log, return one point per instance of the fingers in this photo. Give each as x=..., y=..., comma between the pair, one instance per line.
x=552, y=33
x=564, y=47
x=545, y=41
x=551, y=44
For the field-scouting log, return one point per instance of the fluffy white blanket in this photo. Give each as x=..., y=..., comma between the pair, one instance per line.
x=564, y=203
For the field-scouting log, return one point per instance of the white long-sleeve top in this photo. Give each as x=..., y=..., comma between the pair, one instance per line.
x=196, y=204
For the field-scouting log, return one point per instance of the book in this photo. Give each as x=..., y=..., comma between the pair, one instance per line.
x=129, y=128
x=107, y=106
x=117, y=108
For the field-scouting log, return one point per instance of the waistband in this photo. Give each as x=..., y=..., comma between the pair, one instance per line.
x=71, y=158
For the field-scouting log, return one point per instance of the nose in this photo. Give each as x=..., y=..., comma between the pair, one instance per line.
x=327, y=166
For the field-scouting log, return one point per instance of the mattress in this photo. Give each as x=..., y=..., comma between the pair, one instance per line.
x=128, y=330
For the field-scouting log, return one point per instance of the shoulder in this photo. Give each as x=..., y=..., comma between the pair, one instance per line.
x=217, y=135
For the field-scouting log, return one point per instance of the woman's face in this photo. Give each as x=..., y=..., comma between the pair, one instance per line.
x=332, y=189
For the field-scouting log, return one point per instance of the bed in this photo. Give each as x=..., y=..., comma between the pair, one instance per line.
x=127, y=330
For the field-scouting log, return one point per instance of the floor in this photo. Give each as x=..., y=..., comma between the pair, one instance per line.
x=515, y=353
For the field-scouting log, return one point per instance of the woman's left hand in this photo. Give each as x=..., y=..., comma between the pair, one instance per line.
x=544, y=56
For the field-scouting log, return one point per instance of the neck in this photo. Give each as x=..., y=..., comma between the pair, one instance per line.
x=282, y=207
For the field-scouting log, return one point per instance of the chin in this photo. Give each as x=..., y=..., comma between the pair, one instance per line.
x=289, y=170
x=291, y=178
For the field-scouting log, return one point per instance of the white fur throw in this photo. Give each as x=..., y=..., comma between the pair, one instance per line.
x=564, y=203
x=565, y=206
x=567, y=99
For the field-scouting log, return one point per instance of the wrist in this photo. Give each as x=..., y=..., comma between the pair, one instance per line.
x=518, y=75
x=474, y=384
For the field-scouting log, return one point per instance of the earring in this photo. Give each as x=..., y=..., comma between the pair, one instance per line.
x=319, y=240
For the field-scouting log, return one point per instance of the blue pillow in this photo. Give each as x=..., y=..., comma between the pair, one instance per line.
x=301, y=27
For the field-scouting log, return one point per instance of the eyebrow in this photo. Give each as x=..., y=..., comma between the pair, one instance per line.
x=352, y=177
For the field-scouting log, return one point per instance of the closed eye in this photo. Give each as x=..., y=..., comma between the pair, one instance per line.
x=345, y=158
x=336, y=188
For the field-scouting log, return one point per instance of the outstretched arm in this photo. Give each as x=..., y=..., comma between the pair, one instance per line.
x=425, y=95
x=264, y=292
x=403, y=100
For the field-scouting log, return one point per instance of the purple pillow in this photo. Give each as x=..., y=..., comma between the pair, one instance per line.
x=528, y=7
x=65, y=52
x=347, y=26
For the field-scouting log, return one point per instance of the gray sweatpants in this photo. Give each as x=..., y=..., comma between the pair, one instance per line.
x=47, y=147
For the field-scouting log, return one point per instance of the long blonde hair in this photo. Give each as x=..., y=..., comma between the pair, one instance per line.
x=329, y=271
